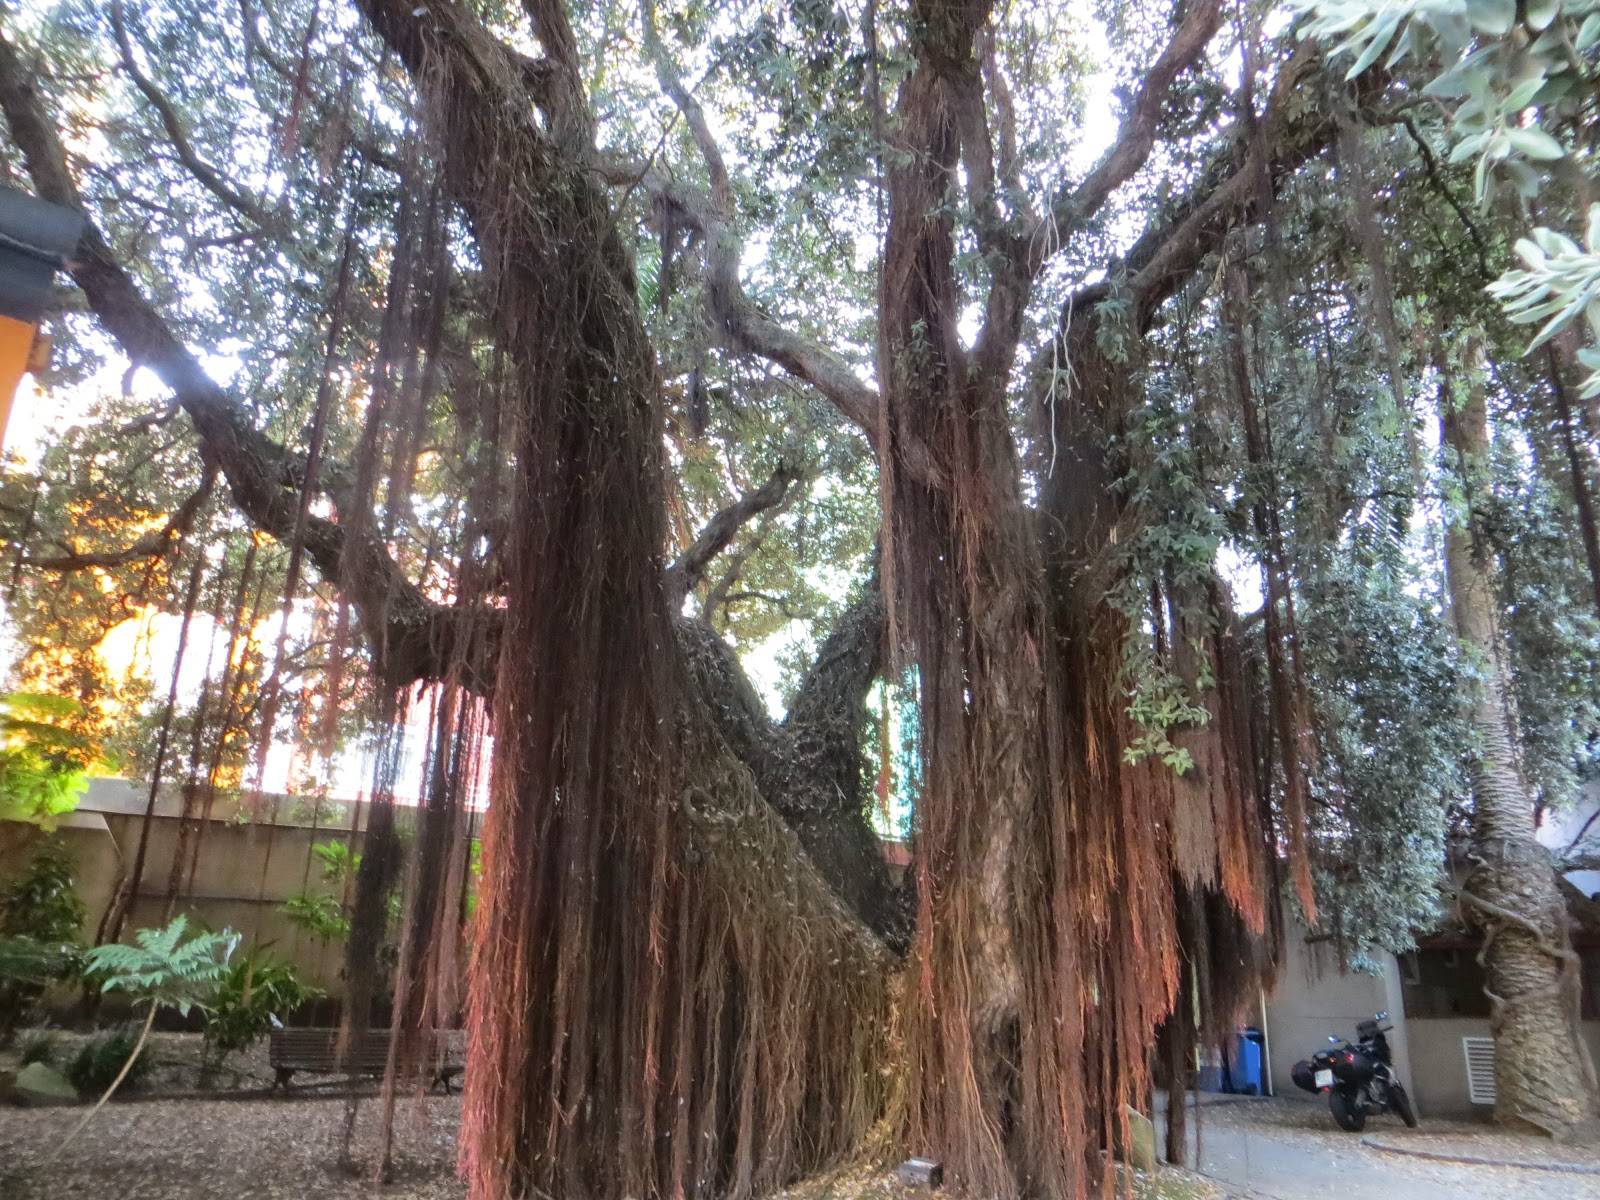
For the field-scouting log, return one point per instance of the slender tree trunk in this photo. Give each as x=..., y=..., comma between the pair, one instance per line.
x=138, y=1048
x=1544, y=1077
x=1578, y=463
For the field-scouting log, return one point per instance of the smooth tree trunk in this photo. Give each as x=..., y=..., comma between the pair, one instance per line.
x=1544, y=1076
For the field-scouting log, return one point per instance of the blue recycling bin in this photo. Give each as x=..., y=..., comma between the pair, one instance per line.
x=1245, y=1069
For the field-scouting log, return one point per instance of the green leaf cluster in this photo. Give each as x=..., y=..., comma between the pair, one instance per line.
x=253, y=997
x=170, y=967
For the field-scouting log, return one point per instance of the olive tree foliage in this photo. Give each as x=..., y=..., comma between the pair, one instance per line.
x=1516, y=79
x=1501, y=89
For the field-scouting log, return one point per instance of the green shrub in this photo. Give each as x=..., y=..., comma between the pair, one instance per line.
x=40, y=903
x=97, y=1062
x=338, y=863
x=320, y=916
x=37, y=1046
x=40, y=916
x=257, y=992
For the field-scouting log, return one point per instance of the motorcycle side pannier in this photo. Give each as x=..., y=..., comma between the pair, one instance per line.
x=1304, y=1076
x=1353, y=1067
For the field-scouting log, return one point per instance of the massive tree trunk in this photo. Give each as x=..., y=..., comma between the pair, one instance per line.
x=1544, y=1076
x=1047, y=948
x=967, y=591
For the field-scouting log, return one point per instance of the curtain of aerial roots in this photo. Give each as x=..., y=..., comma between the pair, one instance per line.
x=128, y=888
x=662, y=1002
x=1049, y=949
x=1020, y=1091
x=428, y=991
x=393, y=428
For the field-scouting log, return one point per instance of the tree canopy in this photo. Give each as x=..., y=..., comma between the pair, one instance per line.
x=637, y=388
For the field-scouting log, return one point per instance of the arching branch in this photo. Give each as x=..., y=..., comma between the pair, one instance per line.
x=409, y=634
x=712, y=216
x=690, y=566
x=1071, y=207
x=1228, y=194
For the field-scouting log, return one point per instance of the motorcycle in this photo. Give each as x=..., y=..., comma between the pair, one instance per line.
x=1358, y=1077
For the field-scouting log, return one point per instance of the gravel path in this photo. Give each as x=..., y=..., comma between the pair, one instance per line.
x=234, y=1149
x=1290, y=1150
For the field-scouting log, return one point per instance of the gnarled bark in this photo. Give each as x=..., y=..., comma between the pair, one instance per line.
x=809, y=767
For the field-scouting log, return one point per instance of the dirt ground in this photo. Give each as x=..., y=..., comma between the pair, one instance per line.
x=271, y=1149
x=236, y=1149
x=256, y=1149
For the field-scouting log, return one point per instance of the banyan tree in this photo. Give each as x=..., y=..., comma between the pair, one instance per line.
x=690, y=972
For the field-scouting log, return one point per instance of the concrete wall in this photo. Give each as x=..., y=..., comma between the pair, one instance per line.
x=1313, y=999
x=1440, y=1089
x=245, y=871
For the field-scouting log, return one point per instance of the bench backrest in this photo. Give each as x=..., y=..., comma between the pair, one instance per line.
x=318, y=1050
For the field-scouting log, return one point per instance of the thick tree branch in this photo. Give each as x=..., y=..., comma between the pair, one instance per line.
x=1008, y=159
x=746, y=327
x=690, y=567
x=1229, y=193
x=1584, y=860
x=809, y=766
x=1071, y=207
x=409, y=635
x=848, y=660
x=557, y=80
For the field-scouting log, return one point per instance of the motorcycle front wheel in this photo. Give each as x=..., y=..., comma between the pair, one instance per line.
x=1401, y=1103
x=1347, y=1111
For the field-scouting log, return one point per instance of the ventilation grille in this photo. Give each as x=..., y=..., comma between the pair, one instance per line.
x=1479, y=1052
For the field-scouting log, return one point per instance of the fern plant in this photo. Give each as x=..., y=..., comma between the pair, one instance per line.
x=164, y=968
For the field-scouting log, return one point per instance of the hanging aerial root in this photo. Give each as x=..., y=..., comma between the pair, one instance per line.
x=713, y=1024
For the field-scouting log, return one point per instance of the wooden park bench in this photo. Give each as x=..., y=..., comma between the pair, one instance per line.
x=316, y=1052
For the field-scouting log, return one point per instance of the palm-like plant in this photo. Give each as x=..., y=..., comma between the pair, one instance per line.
x=164, y=968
